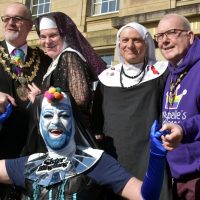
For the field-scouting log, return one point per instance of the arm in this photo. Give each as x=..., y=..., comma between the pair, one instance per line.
x=75, y=77
x=132, y=189
x=12, y=171
x=4, y=178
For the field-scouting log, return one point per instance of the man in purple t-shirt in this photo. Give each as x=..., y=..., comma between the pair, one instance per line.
x=181, y=103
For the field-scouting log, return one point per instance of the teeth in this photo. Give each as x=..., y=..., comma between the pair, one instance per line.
x=55, y=133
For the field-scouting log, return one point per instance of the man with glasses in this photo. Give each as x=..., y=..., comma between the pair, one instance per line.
x=181, y=103
x=20, y=67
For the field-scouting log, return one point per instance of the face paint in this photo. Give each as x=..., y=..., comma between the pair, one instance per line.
x=56, y=125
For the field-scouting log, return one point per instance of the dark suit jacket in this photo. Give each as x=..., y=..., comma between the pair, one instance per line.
x=15, y=128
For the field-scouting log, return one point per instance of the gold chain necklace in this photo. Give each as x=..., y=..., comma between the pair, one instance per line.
x=7, y=63
x=173, y=86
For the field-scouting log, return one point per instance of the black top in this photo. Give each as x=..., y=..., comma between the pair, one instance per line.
x=128, y=116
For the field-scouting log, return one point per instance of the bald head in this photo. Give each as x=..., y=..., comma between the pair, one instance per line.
x=179, y=22
x=25, y=11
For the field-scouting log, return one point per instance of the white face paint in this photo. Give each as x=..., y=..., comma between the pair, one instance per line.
x=56, y=125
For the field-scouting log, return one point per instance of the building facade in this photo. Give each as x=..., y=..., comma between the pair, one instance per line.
x=99, y=20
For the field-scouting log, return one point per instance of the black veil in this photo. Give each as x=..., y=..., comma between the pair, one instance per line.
x=74, y=38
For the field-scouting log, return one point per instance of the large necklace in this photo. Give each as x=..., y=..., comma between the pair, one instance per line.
x=122, y=72
x=19, y=72
x=173, y=86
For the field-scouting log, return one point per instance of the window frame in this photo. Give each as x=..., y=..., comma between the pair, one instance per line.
x=39, y=5
x=100, y=3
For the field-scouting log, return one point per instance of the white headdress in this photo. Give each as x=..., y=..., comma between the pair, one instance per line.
x=47, y=22
x=151, y=59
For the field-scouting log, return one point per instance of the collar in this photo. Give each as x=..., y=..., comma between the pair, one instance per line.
x=48, y=171
x=55, y=61
x=111, y=77
x=11, y=48
x=134, y=67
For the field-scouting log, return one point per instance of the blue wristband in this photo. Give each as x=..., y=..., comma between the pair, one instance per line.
x=6, y=114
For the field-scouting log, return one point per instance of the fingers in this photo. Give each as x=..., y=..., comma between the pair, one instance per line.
x=4, y=100
x=175, y=136
x=33, y=91
x=171, y=141
x=169, y=145
x=167, y=126
x=170, y=126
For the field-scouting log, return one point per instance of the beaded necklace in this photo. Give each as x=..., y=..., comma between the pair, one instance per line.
x=122, y=72
x=18, y=73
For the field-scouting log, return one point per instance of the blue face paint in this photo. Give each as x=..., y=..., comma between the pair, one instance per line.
x=56, y=125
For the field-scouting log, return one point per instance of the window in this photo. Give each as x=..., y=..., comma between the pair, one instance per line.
x=104, y=6
x=108, y=59
x=39, y=7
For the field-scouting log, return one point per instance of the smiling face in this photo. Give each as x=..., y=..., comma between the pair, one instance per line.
x=175, y=47
x=132, y=46
x=16, y=31
x=56, y=125
x=51, y=42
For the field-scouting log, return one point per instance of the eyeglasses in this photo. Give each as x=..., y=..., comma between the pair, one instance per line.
x=16, y=19
x=170, y=34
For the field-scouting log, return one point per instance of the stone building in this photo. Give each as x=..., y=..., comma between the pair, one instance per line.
x=99, y=20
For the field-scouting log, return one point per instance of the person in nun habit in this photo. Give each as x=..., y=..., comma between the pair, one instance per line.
x=132, y=99
x=75, y=67
x=71, y=168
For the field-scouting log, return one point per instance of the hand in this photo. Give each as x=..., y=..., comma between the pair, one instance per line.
x=156, y=146
x=172, y=140
x=33, y=92
x=5, y=99
x=6, y=114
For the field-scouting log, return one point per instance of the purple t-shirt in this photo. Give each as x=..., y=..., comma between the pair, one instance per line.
x=185, y=110
x=107, y=172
